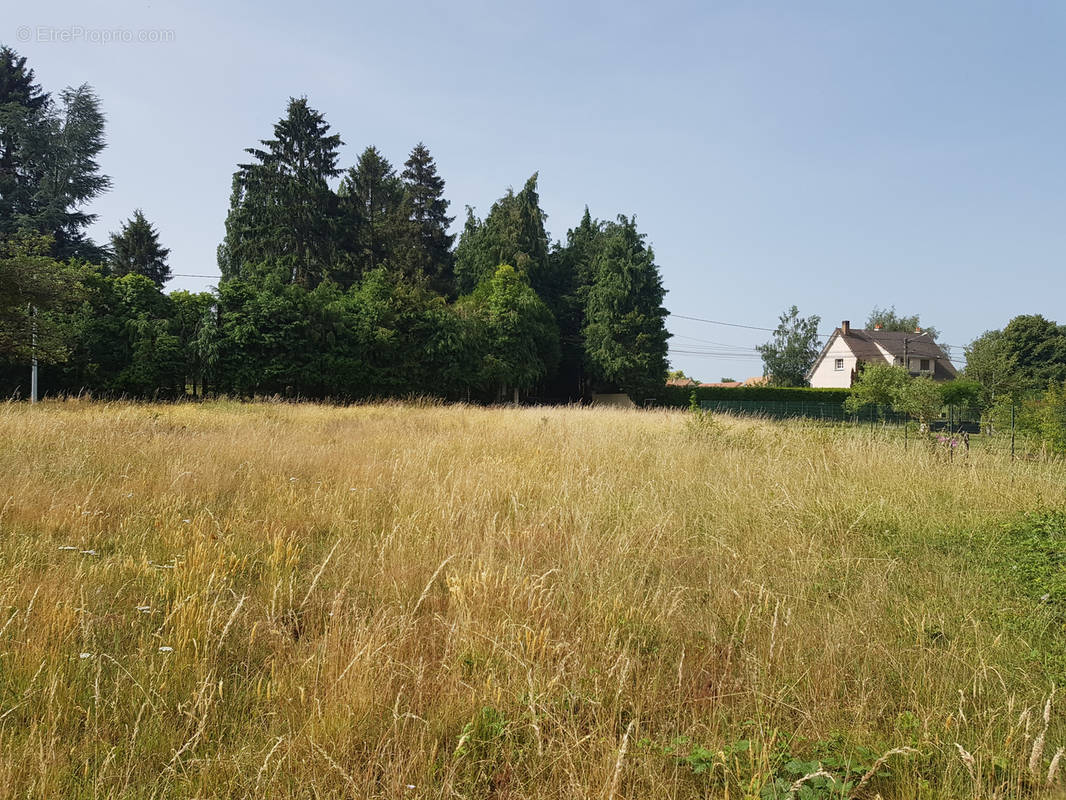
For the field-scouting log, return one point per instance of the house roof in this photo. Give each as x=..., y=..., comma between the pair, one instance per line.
x=872, y=344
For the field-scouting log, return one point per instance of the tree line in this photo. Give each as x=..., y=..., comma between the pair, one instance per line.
x=335, y=282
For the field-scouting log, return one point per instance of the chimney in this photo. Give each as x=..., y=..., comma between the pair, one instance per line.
x=877, y=327
x=917, y=330
x=845, y=327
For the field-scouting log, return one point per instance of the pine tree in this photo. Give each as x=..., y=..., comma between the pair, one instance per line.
x=625, y=329
x=372, y=196
x=283, y=213
x=136, y=250
x=427, y=246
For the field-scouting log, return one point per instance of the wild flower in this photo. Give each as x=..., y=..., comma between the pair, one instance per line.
x=67, y=547
x=144, y=609
x=166, y=649
x=85, y=655
x=88, y=552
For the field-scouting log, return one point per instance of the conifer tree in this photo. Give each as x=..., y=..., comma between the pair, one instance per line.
x=512, y=233
x=54, y=150
x=283, y=213
x=21, y=101
x=427, y=245
x=571, y=268
x=136, y=250
x=625, y=328
x=372, y=196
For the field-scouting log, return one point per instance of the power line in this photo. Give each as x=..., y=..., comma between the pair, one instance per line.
x=187, y=275
x=728, y=324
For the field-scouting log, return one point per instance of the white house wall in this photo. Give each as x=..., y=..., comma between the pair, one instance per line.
x=826, y=375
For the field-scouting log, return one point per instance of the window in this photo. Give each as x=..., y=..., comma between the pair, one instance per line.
x=923, y=365
x=838, y=364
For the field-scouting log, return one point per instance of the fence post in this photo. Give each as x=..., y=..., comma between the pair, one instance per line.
x=1012, y=429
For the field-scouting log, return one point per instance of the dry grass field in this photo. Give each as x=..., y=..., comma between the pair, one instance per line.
x=402, y=601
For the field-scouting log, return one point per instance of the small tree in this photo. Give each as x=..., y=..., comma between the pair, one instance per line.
x=789, y=355
x=135, y=250
x=877, y=385
x=961, y=393
x=34, y=289
x=921, y=399
x=523, y=341
x=1052, y=417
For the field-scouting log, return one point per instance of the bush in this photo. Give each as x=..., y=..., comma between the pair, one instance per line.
x=681, y=396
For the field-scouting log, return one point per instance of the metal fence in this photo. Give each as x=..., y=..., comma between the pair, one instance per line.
x=784, y=409
x=834, y=412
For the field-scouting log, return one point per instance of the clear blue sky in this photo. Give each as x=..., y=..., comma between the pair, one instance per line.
x=834, y=155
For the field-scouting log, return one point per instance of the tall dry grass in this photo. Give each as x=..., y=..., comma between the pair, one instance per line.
x=397, y=601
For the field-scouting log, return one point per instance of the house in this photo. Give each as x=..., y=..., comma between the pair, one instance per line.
x=689, y=383
x=838, y=364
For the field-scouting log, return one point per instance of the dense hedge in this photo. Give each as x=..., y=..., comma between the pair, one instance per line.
x=680, y=395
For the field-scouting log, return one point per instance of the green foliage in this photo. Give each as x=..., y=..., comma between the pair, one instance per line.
x=877, y=384
x=283, y=216
x=1052, y=418
x=522, y=340
x=992, y=366
x=889, y=320
x=790, y=354
x=488, y=744
x=35, y=290
x=825, y=769
x=426, y=247
x=136, y=250
x=1039, y=418
x=1036, y=347
x=679, y=396
x=625, y=322
x=372, y=198
x=51, y=149
x=512, y=233
x=920, y=398
x=962, y=393
x=21, y=101
x=324, y=293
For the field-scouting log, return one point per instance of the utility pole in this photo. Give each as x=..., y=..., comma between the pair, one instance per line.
x=906, y=341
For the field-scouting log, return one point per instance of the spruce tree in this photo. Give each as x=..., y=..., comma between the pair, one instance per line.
x=372, y=196
x=136, y=250
x=283, y=213
x=625, y=327
x=427, y=245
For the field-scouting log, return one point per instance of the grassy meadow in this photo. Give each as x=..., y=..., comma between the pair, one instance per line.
x=404, y=601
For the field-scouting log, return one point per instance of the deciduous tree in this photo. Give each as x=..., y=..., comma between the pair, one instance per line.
x=790, y=354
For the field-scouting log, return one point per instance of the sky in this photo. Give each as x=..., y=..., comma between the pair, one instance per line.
x=835, y=156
